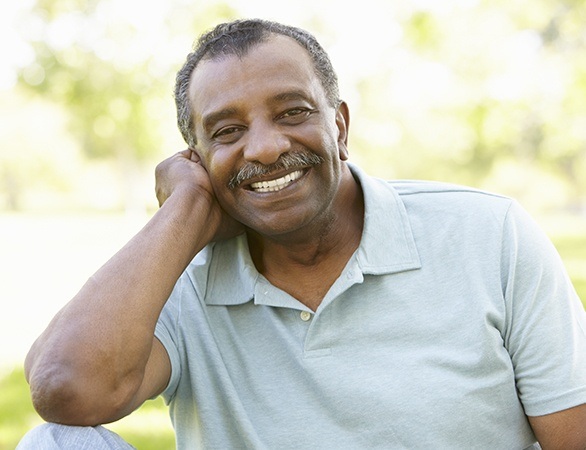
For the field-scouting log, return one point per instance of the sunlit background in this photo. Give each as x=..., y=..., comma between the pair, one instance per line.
x=489, y=93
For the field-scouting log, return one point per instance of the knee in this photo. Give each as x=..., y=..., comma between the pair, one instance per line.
x=52, y=436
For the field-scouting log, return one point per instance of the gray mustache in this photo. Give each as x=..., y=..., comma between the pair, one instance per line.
x=286, y=161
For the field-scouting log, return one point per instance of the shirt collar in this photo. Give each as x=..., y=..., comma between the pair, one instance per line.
x=387, y=246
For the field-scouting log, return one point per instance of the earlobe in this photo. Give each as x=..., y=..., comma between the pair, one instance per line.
x=195, y=156
x=343, y=122
x=343, y=151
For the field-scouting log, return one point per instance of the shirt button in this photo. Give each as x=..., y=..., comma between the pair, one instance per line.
x=305, y=315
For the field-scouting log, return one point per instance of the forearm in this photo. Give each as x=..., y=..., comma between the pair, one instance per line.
x=96, y=348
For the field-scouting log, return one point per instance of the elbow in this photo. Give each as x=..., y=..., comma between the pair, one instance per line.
x=55, y=400
x=59, y=396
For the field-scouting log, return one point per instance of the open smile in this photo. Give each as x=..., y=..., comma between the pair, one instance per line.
x=276, y=184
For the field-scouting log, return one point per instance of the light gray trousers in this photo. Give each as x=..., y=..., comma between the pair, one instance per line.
x=51, y=436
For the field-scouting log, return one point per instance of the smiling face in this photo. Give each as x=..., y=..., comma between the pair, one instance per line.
x=271, y=143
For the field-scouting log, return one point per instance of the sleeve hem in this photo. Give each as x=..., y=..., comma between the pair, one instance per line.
x=169, y=391
x=570, y=399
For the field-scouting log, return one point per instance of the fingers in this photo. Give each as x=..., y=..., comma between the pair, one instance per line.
x=190, y=154
x=175, y=170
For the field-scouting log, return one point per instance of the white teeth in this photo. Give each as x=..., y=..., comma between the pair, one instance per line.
x=276, y=185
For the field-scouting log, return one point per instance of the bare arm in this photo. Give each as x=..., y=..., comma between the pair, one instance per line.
x=563, y=430
x=98, y=359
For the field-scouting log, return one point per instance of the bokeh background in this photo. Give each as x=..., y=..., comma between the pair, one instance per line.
x=489, y=93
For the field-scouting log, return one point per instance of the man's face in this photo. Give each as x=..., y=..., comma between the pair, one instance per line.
x=256, y=111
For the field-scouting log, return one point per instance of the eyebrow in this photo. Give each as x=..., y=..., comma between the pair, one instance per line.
x=291, y=95
x=210, y=119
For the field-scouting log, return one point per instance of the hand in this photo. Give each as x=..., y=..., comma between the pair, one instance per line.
x=183, y=172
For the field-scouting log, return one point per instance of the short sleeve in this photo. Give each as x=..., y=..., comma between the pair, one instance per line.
x=545, y=321
x=166, y=333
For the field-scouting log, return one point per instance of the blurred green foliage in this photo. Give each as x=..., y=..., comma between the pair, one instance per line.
x=108, y=69
x=481, y=92
x=104, y=73
x=499, y=84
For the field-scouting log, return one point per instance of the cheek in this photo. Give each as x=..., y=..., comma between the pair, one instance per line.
x=220, y=186
x=221, y=168
x=333, y=144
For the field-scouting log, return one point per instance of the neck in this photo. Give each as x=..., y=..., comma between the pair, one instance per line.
x=305, y=263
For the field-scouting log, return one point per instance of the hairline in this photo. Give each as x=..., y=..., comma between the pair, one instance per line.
x=305, y=41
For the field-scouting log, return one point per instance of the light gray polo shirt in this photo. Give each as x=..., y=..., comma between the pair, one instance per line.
x=452, y=318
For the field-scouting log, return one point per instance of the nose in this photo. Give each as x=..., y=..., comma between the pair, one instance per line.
x=265, y=143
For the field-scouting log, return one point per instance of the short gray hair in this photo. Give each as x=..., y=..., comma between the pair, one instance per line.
x=237, y=38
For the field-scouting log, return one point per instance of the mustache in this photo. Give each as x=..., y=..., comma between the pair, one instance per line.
x=286, y=161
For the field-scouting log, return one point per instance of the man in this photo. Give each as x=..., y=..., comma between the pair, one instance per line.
x=281, y=298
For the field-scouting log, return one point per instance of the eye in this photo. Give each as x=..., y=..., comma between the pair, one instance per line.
x=296, y=115
x=227, y=134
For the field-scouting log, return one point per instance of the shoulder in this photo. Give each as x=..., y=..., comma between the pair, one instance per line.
x=432, y=206
x=435, y=200
x=454, y=199
x=436, y=192
x=439, y=190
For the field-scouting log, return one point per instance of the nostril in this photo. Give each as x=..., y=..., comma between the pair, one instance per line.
x=265, y=153
x=265, y=143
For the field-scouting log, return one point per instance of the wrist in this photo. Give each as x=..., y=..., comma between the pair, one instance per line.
x=193, y=216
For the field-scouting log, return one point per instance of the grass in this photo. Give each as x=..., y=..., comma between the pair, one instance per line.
x=16, y=410
x=149, y=427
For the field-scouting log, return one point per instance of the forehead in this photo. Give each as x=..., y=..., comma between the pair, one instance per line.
x=270, y=68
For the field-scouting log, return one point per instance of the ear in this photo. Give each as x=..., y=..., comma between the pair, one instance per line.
x=196, y=156
x=343, y=122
